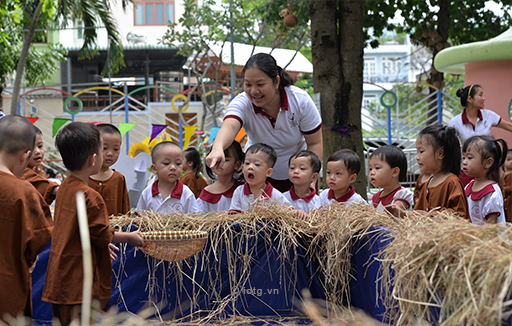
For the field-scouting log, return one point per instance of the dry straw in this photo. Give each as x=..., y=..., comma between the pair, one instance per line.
x=439, y=268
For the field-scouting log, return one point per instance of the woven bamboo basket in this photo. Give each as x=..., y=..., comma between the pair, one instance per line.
x=173, y=245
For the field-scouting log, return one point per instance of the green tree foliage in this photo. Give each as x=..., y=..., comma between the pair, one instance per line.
x=438, y=24
x=41, y=64
x=31, y=15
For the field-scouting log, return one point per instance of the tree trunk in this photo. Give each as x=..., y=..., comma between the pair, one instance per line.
x=337, y=48
x=23, y=58
x=436, y=78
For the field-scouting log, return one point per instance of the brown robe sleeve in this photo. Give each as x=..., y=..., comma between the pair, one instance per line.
x=26, y=229
x=43, y=185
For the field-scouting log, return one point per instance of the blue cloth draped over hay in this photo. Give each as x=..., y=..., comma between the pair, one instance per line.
x=265, y=282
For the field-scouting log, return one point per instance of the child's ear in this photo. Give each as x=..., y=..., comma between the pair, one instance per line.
x=395, y=172
x=92, y=159
x=440, y=153
x=488, y=163
x=25, y=157
x=153, y=168
x=353, y=178
x=269, y=172
x=314, y=177
x=238, y=164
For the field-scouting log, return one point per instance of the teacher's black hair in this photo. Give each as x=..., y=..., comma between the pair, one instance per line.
x=268, y=65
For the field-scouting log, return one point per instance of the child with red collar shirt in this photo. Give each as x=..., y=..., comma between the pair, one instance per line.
x=257, y=167
x=167, y=194
x=342, y=169
x=388, y=166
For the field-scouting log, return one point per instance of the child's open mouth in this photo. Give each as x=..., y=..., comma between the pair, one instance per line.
x=250, y=176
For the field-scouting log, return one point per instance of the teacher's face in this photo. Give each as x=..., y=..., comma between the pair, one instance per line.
x=260, y=88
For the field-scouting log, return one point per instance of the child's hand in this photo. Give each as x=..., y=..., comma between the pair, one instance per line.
x=396, y=210
x=112, y=250
x=301, y=215
x=135, y=239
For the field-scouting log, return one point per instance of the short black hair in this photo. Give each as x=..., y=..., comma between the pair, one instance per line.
x=157, y=147
x=51, y=172
x=265, y=149
x=314, y=160
x=76, y=142
x=16, y=134
x=108, y=129
x=349, y=158
x=395, y=157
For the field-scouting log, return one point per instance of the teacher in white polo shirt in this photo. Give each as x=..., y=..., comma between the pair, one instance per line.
x=475, y=120
x=274, y=112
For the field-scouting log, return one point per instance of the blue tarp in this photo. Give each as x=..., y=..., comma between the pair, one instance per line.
x=267, y=282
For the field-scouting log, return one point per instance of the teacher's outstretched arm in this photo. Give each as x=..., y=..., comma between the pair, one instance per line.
x=504, y=124
x=225, y=136
x=315, y=143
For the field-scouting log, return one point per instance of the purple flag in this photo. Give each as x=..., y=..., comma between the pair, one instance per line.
x=156, y=130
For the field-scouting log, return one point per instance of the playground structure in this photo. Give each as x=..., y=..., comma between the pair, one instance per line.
x=396, y=119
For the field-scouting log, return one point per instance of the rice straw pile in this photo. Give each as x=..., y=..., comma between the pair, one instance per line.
x=440, y=268
x=447, y=270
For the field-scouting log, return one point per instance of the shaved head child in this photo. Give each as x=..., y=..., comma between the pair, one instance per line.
x=26, y=219
x=111, y=184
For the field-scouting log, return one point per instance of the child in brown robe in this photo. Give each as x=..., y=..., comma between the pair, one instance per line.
x=80, y=146
x=506, y=186
x=46, y=188
x=26, y=224
x=111, y=184
x=192, y=166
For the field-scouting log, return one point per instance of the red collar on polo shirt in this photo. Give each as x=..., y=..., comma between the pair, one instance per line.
x=477, y=195
x=385, y=200
x=267, y=192
x=214, y=198
x=342, y=198
x=465, y=119
x=176, y=193
x=284, y=106
x=306, y=198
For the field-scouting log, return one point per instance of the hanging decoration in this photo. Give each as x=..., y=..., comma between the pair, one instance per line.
x=57, y=124
x=156, y=130
x=189, y=131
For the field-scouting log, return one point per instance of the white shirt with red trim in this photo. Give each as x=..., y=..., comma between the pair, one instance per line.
x=210, y=202
x=351, y=197
x=465, y=129
x=243, y=200
x=306, y=203
x=181, y=199
x=399, y=193
x=488, y=200
x=297, y=117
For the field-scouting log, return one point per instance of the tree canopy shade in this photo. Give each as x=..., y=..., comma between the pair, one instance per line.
x=438, y=24
x=35, y=14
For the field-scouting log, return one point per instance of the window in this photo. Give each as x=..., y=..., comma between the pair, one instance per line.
x=369, y=69
x=369, y=101
x=391, y=65
x=154, y=12
x=80, y=30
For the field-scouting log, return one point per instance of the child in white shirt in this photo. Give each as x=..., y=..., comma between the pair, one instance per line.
x=388, y=167
x=303, y=170
x=342, y=169
x=217, y=196
x=167, y=194
x=258, y=165
x=482, y=158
